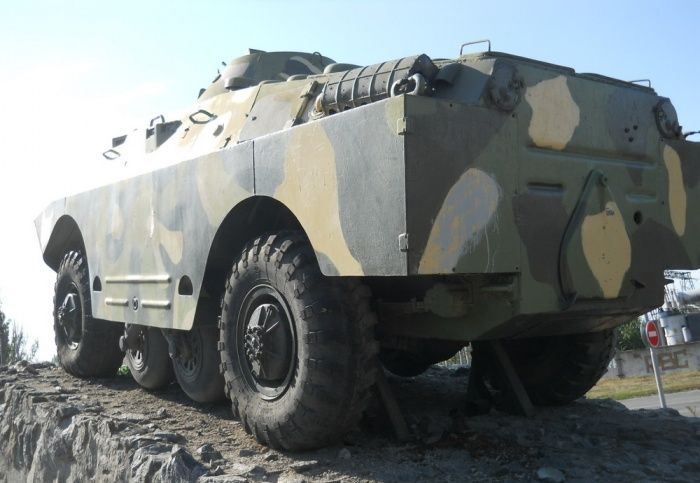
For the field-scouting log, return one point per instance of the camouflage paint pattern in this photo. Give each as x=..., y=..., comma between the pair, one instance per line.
x=549, y=195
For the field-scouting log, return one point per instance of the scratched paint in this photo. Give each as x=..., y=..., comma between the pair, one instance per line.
x=462, y=222
x=555, y=114
x=607, y=248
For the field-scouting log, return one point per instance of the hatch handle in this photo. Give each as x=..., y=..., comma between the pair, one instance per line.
x=639, y=81
x=209, y=117
x=159, y=116
x=111, y=154
x=487, y=41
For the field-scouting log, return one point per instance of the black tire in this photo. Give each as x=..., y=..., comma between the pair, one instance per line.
x=321, y=329
x=86, y=347
x=416, y=355
x=557, y=370
x=197, y=372
x=150, y=364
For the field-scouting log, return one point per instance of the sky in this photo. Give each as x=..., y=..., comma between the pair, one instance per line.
x=74, y=74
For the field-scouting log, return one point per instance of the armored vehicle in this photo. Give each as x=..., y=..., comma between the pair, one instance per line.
x=305, y=222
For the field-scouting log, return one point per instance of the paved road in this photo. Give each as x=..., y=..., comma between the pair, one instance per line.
x=687, y=402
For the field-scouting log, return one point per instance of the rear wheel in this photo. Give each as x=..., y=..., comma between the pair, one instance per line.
x=557, y=370
x=86, y=346
x=297, y=349
x=148, y=359
x=197, y=365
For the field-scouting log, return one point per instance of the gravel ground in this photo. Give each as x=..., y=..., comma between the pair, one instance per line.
x=588, y=440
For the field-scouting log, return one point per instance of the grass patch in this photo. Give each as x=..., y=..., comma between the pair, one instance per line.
x=629, y=387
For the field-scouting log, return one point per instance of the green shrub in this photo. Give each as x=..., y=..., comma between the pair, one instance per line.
x=629, y=336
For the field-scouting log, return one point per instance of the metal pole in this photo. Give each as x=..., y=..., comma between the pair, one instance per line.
x=2, y=342
x=657, y=376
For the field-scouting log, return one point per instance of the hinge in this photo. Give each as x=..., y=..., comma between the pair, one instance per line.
x=305, y=97
x=403, y=242
x=309, y=90
x=403, y=126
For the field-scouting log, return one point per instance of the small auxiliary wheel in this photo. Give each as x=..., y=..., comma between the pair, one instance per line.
x=297, y=349
x=85, y=346
x=196, y=364
x=148, y=359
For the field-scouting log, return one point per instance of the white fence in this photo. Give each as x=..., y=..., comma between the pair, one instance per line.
x=685, y=357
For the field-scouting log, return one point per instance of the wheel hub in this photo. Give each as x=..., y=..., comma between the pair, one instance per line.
x=189, y=353
x=70, y=319
x=266, y=342
x=139, y=351
x=254, y=344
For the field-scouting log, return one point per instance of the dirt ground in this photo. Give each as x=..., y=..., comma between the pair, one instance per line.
x=588, y=440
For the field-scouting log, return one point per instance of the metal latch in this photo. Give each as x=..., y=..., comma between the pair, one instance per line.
x=403, y=126
x=309, y=90
x=305, y=97
x=403, y=242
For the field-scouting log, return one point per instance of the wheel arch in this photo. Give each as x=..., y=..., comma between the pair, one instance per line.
x=249, y=218
x=65, y=236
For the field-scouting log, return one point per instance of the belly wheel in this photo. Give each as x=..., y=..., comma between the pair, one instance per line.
x=297, y=349
x=86, y=346
x=197, y=364
x=148, y=359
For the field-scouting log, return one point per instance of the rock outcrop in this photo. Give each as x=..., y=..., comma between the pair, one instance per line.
x=48, y=435
x=54, y=427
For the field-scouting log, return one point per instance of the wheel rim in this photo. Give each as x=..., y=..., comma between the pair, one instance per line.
x=189, y=361
x=70, y=317
x=266, y=342
x=139, y=355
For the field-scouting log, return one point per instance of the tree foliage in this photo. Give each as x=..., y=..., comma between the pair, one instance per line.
x=629, y=336
x=13, y=342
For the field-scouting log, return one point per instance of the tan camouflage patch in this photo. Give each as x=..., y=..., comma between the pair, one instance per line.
x=607, y=248
x=231, y=111
x=555, y=114
x=462, y=221
x=310, y=190
x=171, y=241
x=218, y=190
x=677, y=199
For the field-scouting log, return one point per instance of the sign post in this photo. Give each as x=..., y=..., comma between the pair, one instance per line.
x=653, y=338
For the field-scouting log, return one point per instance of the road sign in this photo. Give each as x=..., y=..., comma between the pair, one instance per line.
x=652, y=338
x=652, y=333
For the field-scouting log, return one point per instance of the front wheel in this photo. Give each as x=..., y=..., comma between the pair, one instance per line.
x=297, y=349
x=86, y=346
